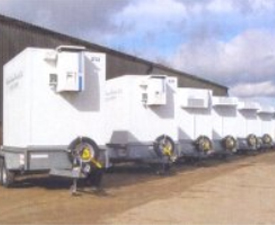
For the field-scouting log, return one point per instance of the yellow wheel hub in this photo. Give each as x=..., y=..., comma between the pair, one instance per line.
x=267, y=139
x=86, y=154
x=206, y=145
x=167, y=150
x=253, y=141
x=230, y=143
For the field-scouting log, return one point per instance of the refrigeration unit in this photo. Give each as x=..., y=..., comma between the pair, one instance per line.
x=224, y=114
x=194, y=122
x=53, y=113
x=247, y=128
x=141, y=119
x=265, y=117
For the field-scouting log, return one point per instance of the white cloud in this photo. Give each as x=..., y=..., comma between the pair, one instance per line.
x=261, y=89
x=250, y=54
x=249, y=57
x=153, y=15
x=262, y=5
x=243, y=6
x=264, y=100
x=220, y=6
x=154, y=8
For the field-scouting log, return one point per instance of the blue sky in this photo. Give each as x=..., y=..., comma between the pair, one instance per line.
x=226, y=41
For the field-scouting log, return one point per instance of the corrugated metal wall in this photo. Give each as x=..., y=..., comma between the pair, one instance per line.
x=16, y=35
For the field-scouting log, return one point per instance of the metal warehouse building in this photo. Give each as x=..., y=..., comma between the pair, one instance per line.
x=16, y=35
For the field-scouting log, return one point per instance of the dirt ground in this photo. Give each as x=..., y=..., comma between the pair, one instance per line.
x=238, y=191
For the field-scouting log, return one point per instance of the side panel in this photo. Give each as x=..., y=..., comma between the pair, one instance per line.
x=217, y=120
x=241, y=120
x=117, y=110
x=186, y=123
x=251, y=122
x=193, y=113
x=224, y=121
x=58, y=118
x=16, y=101
x=131, y=120
x=203, y=123
x=266, y=124
x=151, y=121
x=230, y=123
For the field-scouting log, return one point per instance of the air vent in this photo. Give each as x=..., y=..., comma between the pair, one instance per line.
x=249, y=106
x=266, y=110
x=196, y=103
x=225, y=101
x=194, y=98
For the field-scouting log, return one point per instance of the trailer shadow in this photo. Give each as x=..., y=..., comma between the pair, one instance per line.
x=45, y=181
x=125, y=175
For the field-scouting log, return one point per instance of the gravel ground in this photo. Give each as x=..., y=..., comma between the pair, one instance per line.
x=240, y=190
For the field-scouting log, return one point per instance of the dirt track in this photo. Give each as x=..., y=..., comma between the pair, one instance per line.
x=240, y=191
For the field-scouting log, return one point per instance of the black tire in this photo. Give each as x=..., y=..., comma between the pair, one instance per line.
x=267, y=139
x=76, y=148
x=7, y=176
x=90, y=166
x=203, y=144
x=164, y=146
x=252, y=140
x=229, y=143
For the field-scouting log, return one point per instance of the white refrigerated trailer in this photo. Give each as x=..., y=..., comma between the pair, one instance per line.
x=194, y=122
x=247, y=125
x=53, y=113
x=141, y=119
x=265, y=117
x=224, y=121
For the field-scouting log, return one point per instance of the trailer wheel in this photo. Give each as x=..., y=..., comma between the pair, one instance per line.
x=203, y=143
x=267, y=139
x=6, y=176
x=84, y=151
x=164, y=146
x=252, y=140
x=229, y=143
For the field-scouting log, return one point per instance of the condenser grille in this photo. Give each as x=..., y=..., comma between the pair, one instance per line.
x=225, y=101
x=196, y=103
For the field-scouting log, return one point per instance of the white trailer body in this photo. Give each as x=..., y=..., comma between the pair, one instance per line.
x=247, y=125
x=265, y=118
x=51, y=97
x=224, y=121
x=140, y=109
x=194, y=121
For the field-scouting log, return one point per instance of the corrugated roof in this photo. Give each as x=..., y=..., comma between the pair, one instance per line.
x=14, y=22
